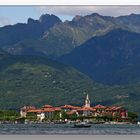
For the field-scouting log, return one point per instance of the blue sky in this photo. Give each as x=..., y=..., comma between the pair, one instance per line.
x=15, y=14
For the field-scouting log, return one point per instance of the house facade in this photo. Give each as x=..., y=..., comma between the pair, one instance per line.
x=48, y=111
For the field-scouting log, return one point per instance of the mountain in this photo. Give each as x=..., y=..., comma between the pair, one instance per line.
x=131, y=22
x=3, y=54
x=64, y=37
x=34, y=80
x=34, y=29
x=109, y=59
x=31, y=80
x=104, y=48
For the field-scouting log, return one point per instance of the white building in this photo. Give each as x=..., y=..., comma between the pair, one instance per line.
x=87, y=101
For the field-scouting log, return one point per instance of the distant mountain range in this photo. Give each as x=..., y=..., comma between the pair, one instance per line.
x=34, y=29
x=105, y=51
x=113, y=58
x=49, y=36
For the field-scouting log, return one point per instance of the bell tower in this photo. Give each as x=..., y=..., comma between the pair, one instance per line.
x=87, y=101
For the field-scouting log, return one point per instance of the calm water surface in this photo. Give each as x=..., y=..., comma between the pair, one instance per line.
x=65, y=129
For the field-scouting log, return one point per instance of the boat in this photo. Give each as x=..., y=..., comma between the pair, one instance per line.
x=81, y=125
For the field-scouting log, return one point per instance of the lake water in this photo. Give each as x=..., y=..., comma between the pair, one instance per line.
x=65, y=129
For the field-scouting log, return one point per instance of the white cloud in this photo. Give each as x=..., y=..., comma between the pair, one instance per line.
x=4, y=21
x=84, y=10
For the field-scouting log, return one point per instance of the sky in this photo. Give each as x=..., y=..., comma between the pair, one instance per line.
x=20, y=14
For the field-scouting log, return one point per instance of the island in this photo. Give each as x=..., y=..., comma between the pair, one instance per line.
x=98, y=114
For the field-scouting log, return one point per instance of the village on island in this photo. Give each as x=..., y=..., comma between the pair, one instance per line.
x=98, y=114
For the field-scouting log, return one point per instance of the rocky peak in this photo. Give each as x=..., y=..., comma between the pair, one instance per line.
x=45, y=18
x=77, y=18
x=95, y=14
x=31, y=21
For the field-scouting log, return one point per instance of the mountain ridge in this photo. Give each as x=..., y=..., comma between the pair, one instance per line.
x=110, y=44
x=63, y=37
x=33, y=29
x=102, y=57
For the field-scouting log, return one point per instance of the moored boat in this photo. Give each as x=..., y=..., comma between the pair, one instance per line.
x=81, y=125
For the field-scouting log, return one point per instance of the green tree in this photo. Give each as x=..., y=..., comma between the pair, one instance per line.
x=132, y=115
x=73, y=117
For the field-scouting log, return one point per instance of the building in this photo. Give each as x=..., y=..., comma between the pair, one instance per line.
x=118, y=111
x=69, y=107
x=87, y=102
x=25, y=109
x=48, y=112
x=86, y=110
x=99, y=110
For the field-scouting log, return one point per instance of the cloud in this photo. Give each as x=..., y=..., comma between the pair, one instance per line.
x=84, y=10
x=4, y=21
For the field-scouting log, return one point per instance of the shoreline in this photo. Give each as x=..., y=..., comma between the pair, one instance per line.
x=70, y=122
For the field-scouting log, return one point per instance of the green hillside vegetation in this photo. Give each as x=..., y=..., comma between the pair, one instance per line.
x=37, y=81
x=8, y=115
x=111, y=59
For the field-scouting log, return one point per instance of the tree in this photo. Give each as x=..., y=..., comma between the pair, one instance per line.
x=73, y=117
x=132, y=115
x=116, y=116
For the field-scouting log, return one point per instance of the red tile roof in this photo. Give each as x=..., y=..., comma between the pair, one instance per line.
x=86, y=109
x=108, y=109
x=43, y=110
x=48, y=109
x=57, y=108
x=69, y=107
x=113, y=108
x=34, y=111
x=70, y=112
x=117, y=108
x=100, y=107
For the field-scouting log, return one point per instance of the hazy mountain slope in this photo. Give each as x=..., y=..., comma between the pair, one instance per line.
x=132, y=22
x=64, y=37
x=34, y=29
x=38, y=80
x=110, y=59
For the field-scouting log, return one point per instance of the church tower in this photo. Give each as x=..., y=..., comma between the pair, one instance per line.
x=87, y=101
